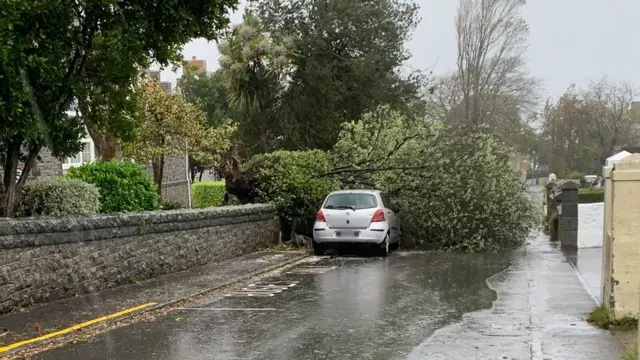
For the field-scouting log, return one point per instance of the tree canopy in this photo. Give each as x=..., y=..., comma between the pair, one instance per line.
x=92, y=52
x=169, y=125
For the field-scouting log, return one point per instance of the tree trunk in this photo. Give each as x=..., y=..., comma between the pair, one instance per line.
x=10, y=168
x=106, y=145
x=200, y=176
x=158, y=171
x=32, y=156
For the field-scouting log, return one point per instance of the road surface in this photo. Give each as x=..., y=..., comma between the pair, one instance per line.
x=341, y=308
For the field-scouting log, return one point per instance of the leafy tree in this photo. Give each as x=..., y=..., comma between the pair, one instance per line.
x=586, y=126
x=168, y=125
x=426, y=169
x=348, y=60
x=252, y=67
x=207, y=91
x=52, y=53
x=289, y=180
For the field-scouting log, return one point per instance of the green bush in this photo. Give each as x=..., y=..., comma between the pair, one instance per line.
x=58, y=197
x=207, y=194
x=551, y=225
x=575, y=175
x=290, y=181
x=124, y=186
x=588, y=196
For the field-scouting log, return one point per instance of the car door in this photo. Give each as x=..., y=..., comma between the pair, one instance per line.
x=390, y=214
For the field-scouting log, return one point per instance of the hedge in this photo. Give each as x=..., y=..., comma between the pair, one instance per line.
x=588, y=196
x=206, y=194
x=124, y=186
x=58, y=197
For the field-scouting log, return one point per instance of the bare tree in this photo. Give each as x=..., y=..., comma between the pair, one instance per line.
x=491, y=37
x=613, y=121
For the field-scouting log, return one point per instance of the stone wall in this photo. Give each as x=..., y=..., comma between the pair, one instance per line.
x=49, y=166
x=47, y=259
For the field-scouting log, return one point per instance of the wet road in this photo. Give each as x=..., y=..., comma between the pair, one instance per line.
x=345, y=307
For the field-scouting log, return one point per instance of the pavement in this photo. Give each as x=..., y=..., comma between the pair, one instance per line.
x=526, y=304
x=58, y=315
x=588, y=263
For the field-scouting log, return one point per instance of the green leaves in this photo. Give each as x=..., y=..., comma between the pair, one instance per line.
x=123, y=186
x=58, y=197
x=455, y=191
x=289, y=179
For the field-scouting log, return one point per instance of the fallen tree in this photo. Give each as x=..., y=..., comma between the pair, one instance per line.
x=454, y=191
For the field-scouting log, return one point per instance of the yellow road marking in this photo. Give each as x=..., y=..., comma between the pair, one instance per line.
x=74, y=327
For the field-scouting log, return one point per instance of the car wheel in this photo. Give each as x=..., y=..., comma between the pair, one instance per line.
x=385, y=246
x=318, y=249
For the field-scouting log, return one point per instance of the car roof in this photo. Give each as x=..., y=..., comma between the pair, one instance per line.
x=355, y=191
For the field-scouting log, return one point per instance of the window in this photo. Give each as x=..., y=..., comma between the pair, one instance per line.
x=87, y=154
x=351, y=201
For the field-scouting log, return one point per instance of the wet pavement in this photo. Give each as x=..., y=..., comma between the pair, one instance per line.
x=588, y=263
x=529, y=304
x=58, y=315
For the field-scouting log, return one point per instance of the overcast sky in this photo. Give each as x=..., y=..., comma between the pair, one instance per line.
x=570, y=41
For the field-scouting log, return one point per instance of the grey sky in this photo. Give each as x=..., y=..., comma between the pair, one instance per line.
x=570, y=41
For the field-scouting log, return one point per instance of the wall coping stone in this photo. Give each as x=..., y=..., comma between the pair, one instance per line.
x=39, y=231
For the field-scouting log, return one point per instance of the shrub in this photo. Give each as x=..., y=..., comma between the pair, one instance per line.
x=58, y=197
x=455, y=191
x=551, y=225
x=289, y=180
x=575, y=175
x=207, y=194
x=124, y=186
x=588, y=196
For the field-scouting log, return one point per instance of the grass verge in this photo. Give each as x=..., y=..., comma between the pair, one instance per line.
x=605, y=319
x=632, y=353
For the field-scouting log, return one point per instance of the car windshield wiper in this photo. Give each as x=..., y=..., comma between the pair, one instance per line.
x=352, y=208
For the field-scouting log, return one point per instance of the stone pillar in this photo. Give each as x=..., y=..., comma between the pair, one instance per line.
x=605, y=291
x=551, y=201
x=624, y=233
x=568, y=215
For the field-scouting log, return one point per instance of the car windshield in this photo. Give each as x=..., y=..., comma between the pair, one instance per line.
x=351, y=201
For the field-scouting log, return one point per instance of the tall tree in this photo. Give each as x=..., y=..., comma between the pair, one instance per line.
x=207, y=91
x=170, y=126
x=55, y=52
x=586, y=126
x=491, y=45
x=508, y=120
x=253, y=67
x=348, y=60
x=613, y=123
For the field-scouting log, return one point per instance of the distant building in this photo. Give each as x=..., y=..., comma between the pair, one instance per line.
x=199, y=65
x=154, y=75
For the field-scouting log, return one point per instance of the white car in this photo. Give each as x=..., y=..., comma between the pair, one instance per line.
x=357, y=216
